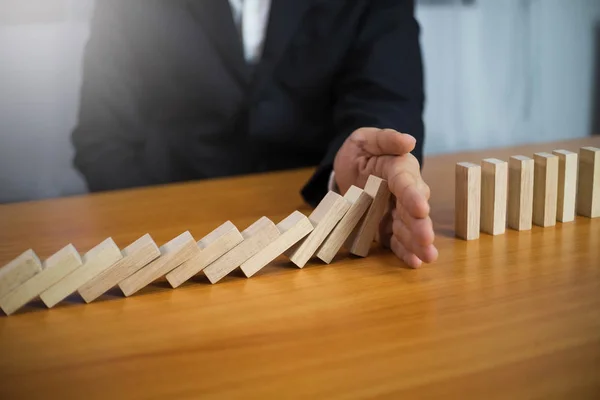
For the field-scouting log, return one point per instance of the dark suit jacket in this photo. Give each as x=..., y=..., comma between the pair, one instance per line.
x=167, y=95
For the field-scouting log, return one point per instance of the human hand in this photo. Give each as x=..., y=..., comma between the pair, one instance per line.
x=407, y=228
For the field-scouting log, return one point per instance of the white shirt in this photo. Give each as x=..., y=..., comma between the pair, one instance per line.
x=251, y=18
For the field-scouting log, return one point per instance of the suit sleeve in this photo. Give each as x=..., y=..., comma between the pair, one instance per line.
x=108, y=137
x=380, y=84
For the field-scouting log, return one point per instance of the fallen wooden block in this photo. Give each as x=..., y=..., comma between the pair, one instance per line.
x=520, y=193
x=545, y=189
x=359, y=201
x=360, y=240
x=95, y=261
x=292, y=229
x=324, y=218
x=467, y=200
x=54, y=269
x=256, y=237
x=494, y=187
x=173, y=254
x=212, y=246
x=135, y=256
x=567, y=185
x=18, y=271
x=588, y=192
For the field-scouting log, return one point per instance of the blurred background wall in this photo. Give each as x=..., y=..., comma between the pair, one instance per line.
x=498, y=72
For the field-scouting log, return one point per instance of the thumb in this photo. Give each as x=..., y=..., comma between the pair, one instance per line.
x=382, y=142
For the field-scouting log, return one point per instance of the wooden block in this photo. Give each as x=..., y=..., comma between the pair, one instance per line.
x=567, y=185
x=18, y=271
x=467, y=200
x=95, y=261
x=545, y=189
x=292, y=229
x=256, y=237
x=494, y=188
x=588, y=191
x=54, y=269
x=520, y=193
x=212, y=246
x=359, y=201
x=324, y=218
x=360, y=240
x=172, y=255
x=135, y=256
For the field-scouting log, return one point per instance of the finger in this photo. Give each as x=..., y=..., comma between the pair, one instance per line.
x=380, y=142
x=400, y=251
x=421, y=228
x=404, y=181
x=404, y=235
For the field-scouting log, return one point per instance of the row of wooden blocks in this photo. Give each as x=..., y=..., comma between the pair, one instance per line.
x=548, y=188
x=352, y=219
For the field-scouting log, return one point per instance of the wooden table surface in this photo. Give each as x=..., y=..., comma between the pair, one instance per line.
x=512, y=316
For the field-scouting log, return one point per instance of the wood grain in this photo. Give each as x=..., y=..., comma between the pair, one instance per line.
x=359, y=201
x=520, y=193
x=494, y=188
x=545, y=189
x=567, y=185
x=18, y=271
x=467, y=200
x=172, y=254
x=95, y=262
x=588, y=200
x=513, y=316
x=214, y=245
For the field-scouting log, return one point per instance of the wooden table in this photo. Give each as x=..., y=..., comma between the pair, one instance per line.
x=512, y=316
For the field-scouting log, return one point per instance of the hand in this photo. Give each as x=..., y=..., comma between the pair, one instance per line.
x=407, y=228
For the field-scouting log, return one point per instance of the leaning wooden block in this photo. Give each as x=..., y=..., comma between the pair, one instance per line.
x=359, y=201
x=173, y=254
x=54, y=269
x=95, y=261
x=588, y=191
x=256, y=237
x=360, y=240
x=494, y=187
x=545, y=189
x=212, y=246
x=324, y=218
x=292, y=229
x=520, y=193
x=567, y=185
x=467, y=200
x=18, y=271
x=135, y=256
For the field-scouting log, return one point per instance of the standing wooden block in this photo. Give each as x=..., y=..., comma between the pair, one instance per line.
x=324, y=218
x=520, y=193
x=172, y=254
x=95, y=261
x=18, y=271
x=212, y=246
x=54, y=269
x=567, y=185
x=545, y=189
x=494, y=188
x=467, y=200
x=359, y=202
x=292, y=229
x=256, y=237
x=360, y=240
x=135, y=256
x=588, y=192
